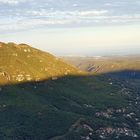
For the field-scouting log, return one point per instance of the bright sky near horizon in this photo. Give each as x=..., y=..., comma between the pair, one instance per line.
x=73, y=27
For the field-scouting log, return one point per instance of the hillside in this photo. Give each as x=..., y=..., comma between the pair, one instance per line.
x=21, y=63
x=105, y=64
x=59, y=102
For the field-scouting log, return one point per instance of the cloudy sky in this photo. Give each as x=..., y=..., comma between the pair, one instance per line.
x=73, y=27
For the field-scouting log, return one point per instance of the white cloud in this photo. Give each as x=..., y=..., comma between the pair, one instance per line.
x=75, y=5
x=66, y=14
x=12, y=2
x=93, y=13
x=31, y=24
x=38, y=13
x=109, y=4
x=37, y=19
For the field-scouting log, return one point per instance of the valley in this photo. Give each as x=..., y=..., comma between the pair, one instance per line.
x=43, y=97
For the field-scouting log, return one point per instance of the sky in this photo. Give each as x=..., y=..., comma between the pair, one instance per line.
x=73, y=27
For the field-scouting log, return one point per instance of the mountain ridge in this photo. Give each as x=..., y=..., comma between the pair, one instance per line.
x=21, y=63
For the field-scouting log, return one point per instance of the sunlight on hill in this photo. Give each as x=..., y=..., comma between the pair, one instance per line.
x=20, y=63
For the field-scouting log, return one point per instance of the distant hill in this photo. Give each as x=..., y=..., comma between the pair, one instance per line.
x=21, y=63
x=105, y=64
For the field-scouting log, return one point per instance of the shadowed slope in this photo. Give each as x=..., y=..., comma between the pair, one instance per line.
x=69, y=108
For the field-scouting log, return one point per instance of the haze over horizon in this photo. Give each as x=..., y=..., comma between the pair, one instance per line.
x=73, y=27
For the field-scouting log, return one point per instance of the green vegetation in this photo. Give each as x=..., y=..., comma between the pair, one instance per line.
x=61, y=102
x=49, y=108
